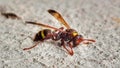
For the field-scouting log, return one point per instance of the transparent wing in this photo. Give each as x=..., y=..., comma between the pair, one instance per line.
x=58, y=17
x=43, y=25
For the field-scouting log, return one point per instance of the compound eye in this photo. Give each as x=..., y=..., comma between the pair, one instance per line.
x=78, y=40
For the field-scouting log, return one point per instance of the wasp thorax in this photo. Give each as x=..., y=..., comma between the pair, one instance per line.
x=72, y=32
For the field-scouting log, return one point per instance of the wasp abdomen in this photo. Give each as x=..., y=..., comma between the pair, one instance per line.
x=41, y=35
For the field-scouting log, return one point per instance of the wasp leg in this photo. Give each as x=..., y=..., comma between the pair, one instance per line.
x=88, y=41
x=56, y=36
x=69, y=51
x=31, y=46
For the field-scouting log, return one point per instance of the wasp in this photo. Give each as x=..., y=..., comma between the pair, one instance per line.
x=10, y=15
x=69, y=38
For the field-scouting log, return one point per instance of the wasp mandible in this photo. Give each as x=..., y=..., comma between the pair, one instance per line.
x=69, y=38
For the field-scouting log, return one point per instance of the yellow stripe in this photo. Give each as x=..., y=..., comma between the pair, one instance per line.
x=75, y=33
x=42, y=33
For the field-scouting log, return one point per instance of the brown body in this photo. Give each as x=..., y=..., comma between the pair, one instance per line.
x=42, y=35
x=69, y=37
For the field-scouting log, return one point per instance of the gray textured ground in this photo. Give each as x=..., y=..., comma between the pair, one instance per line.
x=91, y=18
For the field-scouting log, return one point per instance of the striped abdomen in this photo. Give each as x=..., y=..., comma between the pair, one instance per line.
x=41, y=35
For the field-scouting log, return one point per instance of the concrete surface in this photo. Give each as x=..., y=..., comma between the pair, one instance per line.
x=91, y=18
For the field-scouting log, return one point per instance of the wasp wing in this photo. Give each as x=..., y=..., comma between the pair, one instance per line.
x=58, y=17
x=43, y=25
